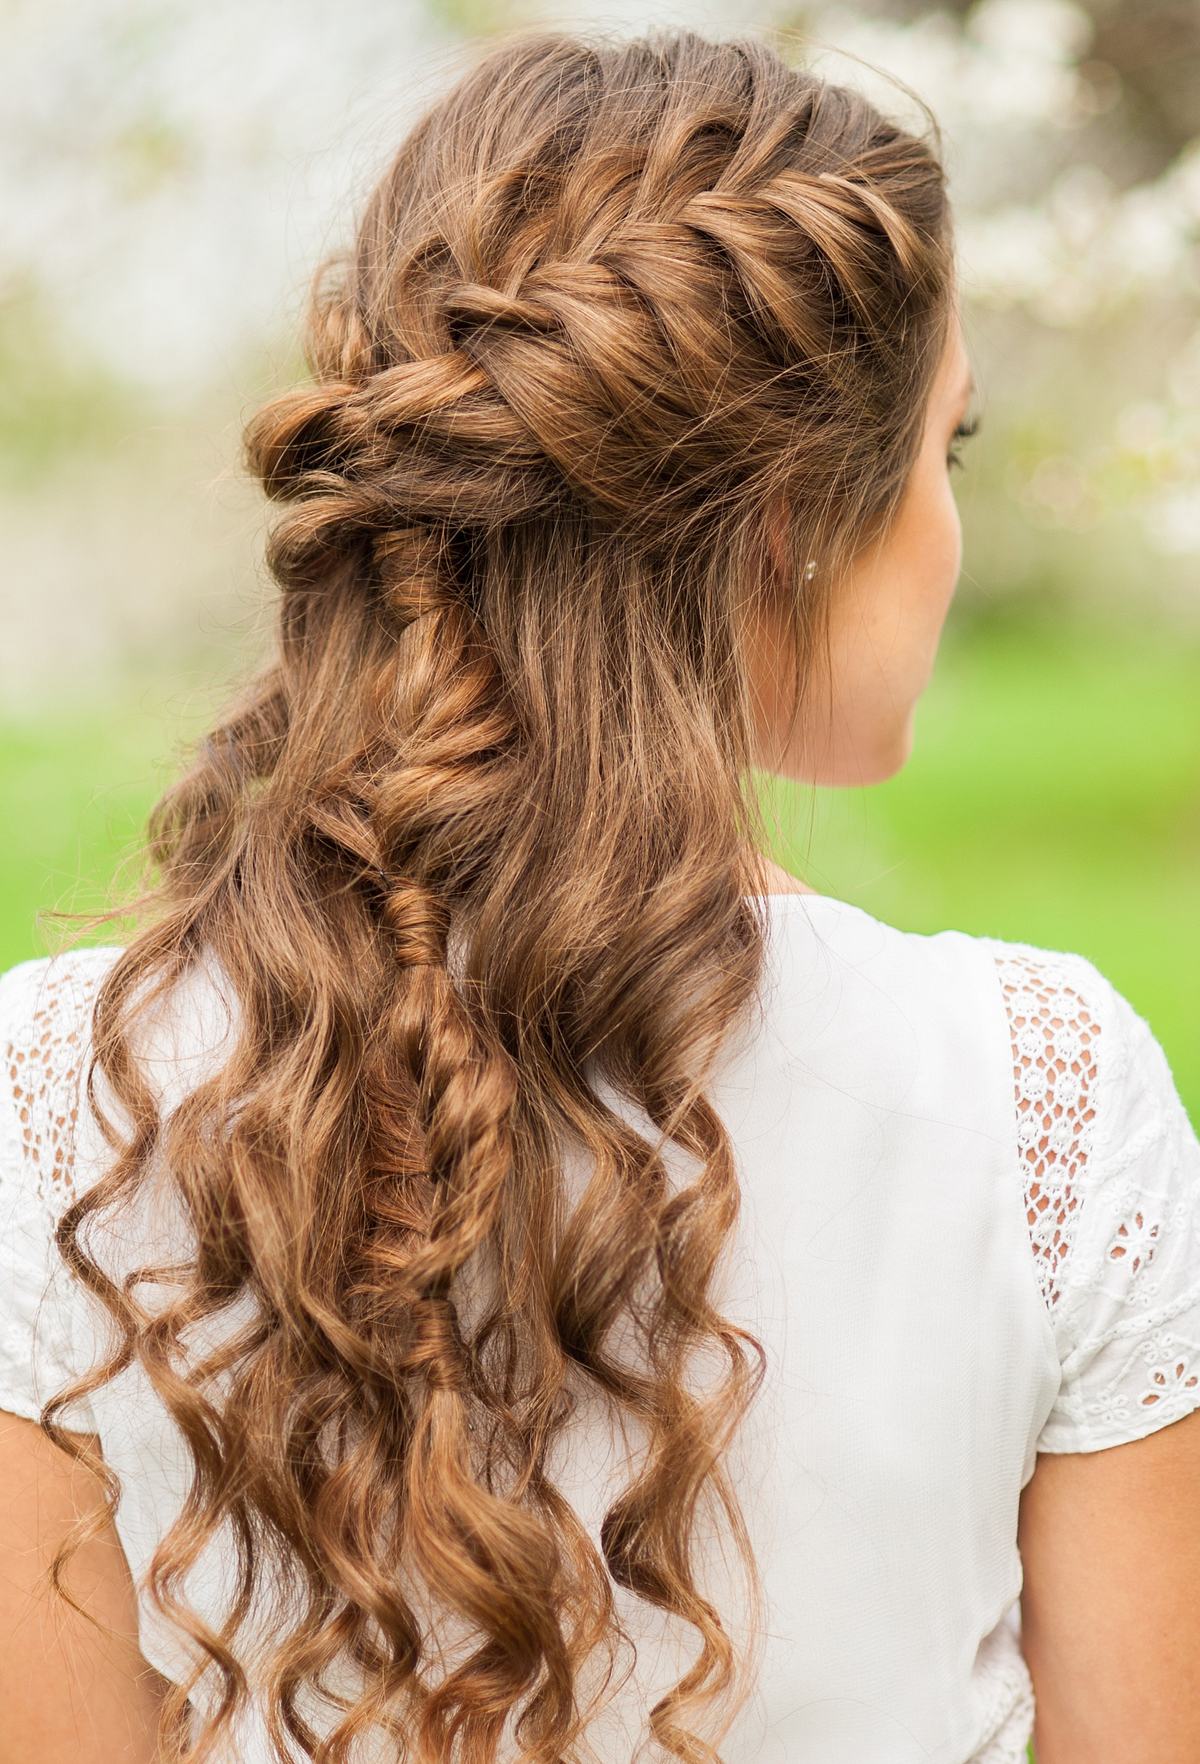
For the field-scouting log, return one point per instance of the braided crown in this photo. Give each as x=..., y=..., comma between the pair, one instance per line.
x=630, y=326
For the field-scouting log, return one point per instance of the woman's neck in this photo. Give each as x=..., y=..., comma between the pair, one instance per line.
x=780, y=881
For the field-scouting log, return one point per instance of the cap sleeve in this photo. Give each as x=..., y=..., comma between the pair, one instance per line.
x=1126, y=1311
x=40, y=1045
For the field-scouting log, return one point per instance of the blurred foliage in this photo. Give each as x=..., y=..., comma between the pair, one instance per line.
x=56, y=404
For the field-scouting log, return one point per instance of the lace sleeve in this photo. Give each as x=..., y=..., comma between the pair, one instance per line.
x=42, y=1036
x=1111, y=1174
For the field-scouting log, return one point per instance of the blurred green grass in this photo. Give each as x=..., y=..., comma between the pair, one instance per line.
x=1053, y=797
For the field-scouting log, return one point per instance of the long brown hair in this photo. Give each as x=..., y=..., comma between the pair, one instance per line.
x=484, y=833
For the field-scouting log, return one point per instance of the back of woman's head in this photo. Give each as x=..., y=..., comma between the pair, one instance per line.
x=482, y=833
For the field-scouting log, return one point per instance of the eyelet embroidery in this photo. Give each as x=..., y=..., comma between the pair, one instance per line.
x=1136, y=1238
x=1168, y=1383
x=42, y=1058
x=1055, y=1039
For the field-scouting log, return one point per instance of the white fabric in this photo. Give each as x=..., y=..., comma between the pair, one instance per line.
x=970, y=1232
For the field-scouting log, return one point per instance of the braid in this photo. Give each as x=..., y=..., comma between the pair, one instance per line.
x=729, y=258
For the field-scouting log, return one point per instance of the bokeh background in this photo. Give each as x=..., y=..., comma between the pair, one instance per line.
x=170, y=173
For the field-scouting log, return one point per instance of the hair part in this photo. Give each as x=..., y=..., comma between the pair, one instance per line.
x=480, y=838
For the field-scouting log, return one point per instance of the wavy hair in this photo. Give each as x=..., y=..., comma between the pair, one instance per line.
x=482, y=835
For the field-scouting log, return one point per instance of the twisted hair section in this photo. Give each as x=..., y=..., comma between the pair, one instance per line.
x=473, y=852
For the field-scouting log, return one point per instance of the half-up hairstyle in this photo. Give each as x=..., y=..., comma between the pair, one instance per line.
x=482, y=835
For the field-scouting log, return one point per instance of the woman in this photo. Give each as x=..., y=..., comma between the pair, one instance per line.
x=524, y=1273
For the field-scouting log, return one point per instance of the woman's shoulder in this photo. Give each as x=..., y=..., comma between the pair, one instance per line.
x=1111, y=1165
x=41, y=980
x=1088, y=1069
x=1106, y=1154
x=46, y=1031
x=52, y=1148
x=1020, y=971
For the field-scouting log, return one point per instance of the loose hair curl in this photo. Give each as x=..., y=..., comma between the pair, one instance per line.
x=480, y=835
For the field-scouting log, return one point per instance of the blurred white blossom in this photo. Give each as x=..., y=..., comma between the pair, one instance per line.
x=173, y=171
x=1172, y=519
x=1031, y=32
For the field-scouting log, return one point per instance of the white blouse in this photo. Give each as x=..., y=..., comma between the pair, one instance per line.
x=970, y=1232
